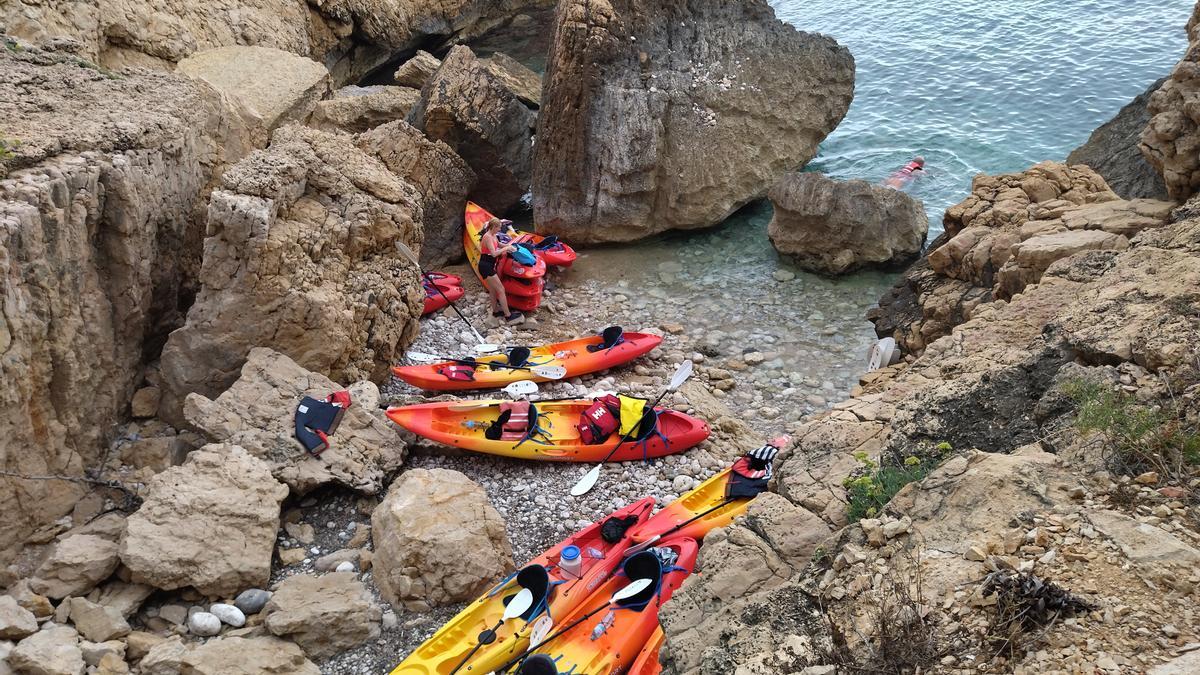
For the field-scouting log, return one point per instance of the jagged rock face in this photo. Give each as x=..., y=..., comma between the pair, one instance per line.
x=416, y=71
x=296, y=83
x=305, y=233
x=672, y=115
x=833, y=227
x=352, y=37
x=474, y=112
x=442, y=178
x=359, y=109
x=438, y=540
x=209, y=524
x=1113, y=151
x=258, y=414
x=325, y=615
x=1002, y=239
x=1171, y=142
x=101, y=222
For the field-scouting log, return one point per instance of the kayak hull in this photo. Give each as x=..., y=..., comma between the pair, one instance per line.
x=708, y=495
x=442, y=652
x=435, y=300
x=465, y=429
x=647, y=661
x=573, y=355
x=614, y=651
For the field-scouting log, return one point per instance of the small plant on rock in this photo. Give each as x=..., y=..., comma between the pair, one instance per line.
x=6, y=149
x=875, y=485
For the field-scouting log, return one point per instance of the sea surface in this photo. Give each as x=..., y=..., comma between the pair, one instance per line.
x=973, y=86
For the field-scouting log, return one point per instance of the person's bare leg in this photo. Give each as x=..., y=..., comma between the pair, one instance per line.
x=498, y=296
x=491, y=291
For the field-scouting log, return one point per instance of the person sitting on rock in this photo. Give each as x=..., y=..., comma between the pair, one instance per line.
x=489, y=257
x=900, y=178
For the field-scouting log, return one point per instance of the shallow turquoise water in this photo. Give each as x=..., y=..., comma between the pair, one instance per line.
x=984, y=85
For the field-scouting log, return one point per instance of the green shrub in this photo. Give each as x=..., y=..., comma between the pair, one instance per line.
x=1137, y=437
x=872, y=489
x=6, y=149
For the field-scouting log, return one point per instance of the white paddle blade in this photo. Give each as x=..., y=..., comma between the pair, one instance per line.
x=681, y=375
x=541, y=628
x=631, y=590
x=407, y=253
x=521, y=388
x=423, y=357
x=636, y=548
x=549, y=372
x=520, y=604
x=473, y=405
x=587, y=482
x=487, y=347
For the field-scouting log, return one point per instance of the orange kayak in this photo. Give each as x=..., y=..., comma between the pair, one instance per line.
x=647, y=662
x=559, y=439
x=708, y=498
x=453, y=642
x=573, y=355
x=592, y=649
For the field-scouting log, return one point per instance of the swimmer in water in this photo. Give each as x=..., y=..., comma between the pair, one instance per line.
x=905, y=174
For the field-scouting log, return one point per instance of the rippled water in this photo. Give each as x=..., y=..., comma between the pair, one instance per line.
x=984, y=86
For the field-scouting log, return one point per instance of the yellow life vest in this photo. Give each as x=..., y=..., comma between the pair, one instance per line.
x=632, y=410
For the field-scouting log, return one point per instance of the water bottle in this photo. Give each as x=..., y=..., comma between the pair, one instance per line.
x=603, y=626
x=570, y=562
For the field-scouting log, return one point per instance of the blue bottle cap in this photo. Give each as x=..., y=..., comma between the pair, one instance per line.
x=570, y=553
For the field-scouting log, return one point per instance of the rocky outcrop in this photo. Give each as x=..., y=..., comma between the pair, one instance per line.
x=273, y=87
x=258, y=413
x=305, y=233
x=325, y=615
x=1002, y=239
x=53, y=650
x=1113, y=152
x=246, y=656
x=474, y=112
x=441, y=177
x=77, y=564
x=438, y=540
x=833, y=227
x=416, y=71
x=352, y=37
x=661, y=116
x=1171, y=139
x=108, y=181
x=209, y=524
x=525, y=84
x=358, y=109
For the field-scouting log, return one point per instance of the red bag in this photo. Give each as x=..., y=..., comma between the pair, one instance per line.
x=599, y=420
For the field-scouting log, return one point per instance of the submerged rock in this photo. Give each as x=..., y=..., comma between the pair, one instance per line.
x=209, y=524
x=437, y=540
x=480, y=116
x=258, y=413
x=833, y=227
x=659, y=116
x=1113, y=151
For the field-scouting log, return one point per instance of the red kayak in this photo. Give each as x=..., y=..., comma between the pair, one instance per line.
x=444, y=289
x=549, y=249
x=523, y=287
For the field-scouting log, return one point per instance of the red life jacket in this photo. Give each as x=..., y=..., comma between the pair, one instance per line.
x=516, y=427
x=599, y=420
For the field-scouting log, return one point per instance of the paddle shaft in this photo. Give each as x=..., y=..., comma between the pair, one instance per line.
x=475, y=649
x=645, y=544
x=489, y=364
x=568, y=627
x=450, y=302
x=629, y=434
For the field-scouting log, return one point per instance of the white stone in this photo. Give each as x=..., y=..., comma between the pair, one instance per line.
x=228, y=614
x=204, y=624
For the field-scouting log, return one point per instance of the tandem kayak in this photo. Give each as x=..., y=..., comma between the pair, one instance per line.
x=553, y=435
x=475, y=218
x=580, y=357
x=600, y=550
x=608, y=642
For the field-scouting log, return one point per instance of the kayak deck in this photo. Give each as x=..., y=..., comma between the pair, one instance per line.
x=708, y=495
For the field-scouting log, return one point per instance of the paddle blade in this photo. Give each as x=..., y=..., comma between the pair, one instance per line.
x=637, y=548
x=541, y=628
x=521, y=388
x=520, y=604
x=631, y=590
x=587, y=482
x=487, y=348
x=549, y=372
x=472, y=405
x=681, y=375
x=407, y=253
x=423, y=357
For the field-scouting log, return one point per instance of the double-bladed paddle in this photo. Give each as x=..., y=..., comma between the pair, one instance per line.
x=520, y=604
x=548, y=372
x=589, y=479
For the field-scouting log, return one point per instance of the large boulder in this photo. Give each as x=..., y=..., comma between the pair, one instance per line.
x=1113, y=151
x=304, y=232
x=100, y=230
x=1171, y=140
x=274, y=87
x=325, y=615
x=442, y=178
x=438, y=540
x=54, y=650
x=209, y=524
x=244, y=656
x=466, y=106
x=659, y=116
x=77, y=564
x=416, y=71
x=357, y=109
x=258, y=413
x=833, y=227
x=16, y=622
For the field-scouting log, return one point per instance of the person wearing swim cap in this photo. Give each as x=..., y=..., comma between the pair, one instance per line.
x=900, y=178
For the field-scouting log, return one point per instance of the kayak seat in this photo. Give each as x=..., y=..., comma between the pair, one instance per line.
x=642, y=565
x=537, y=580
x=496, y=429
x=609, y=337
x=613, y=530
x=538, y=664
x=518, y=356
